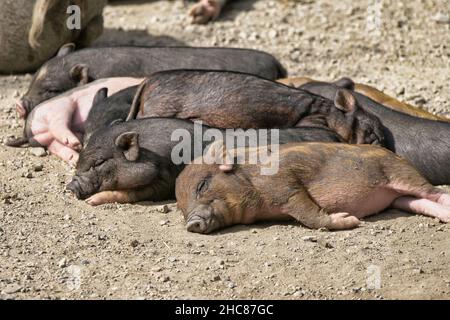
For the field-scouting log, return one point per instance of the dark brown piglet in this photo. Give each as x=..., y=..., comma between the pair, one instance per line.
x=69, y=68
x=237, y=100
x=321, y=185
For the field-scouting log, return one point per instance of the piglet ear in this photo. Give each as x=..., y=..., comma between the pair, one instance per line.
x=80, y=74
x=101, y=95
x=217, y=153
x=129, y=144
x=345, y=83
x=66, y=49
x=345, y=101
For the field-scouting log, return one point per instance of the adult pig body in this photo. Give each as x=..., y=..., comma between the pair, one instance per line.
x=131, y=161
x=425, y=143
x=225, y=99
x=72, y=68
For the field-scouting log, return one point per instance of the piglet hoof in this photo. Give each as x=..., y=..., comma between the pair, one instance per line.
x=73, y=144
x=204, y=12
x=109, y=197
x=99, y=199
x=74, y=160
x=444, y=218
x=93, y=201
x=343, y=220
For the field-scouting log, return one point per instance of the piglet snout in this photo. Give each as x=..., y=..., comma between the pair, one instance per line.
x=197, y=225
x=75, y=188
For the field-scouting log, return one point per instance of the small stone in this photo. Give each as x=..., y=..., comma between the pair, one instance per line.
x=164, y=222
x=62, y=263
x=38, y=152
x=441, y=18
x=163, y=209
x=102, y=237
x=231, y=285
x=401, y=91
x=165, y=279
x=134, y=243
x=420, y=101
x=273, y=34
x=38, y=167
x=298, y=294
x=419, y=271
x=66, y=217
x=309, y=239
x=11, y=289
x=157, y=269
x=16, y=94
x=215, y=278
x=27, y=174
x=326, y=244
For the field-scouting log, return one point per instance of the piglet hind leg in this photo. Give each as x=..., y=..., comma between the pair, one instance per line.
x=423, y=206
x=420, y=197
x=303, y=209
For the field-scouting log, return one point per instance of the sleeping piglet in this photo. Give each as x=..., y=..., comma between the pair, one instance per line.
x=224, y=99
x=320, y=185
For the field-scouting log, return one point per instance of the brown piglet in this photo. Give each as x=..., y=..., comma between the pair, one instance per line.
x=320, y=185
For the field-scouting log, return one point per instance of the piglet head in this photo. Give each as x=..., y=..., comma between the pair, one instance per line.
x=120, y=164
x=352, y=122
x=54, y=78
x=209, y=195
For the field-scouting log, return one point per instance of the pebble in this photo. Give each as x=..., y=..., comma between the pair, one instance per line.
x=38, y=152
x=442, y=18
x=164, y=222
x=215, y=278
x=27, y=174
x=163, y=209
x=157, y=269
x=102, y=237
x=134, y=243
x=400, y=91
x=12, y=288
x=273, y=34
x=62, y=263
x=298, y=294
x=419, y=271
x=38, y=167
x=309, y=238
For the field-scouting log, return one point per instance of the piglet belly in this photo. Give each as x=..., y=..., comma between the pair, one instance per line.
x=362, y=204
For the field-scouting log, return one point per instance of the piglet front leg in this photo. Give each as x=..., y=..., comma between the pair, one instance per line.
x=122, y=196
x=303, y=209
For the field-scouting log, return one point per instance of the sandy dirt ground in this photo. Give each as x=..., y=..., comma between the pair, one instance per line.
x=53, y=246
